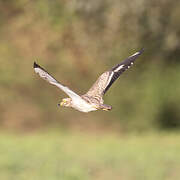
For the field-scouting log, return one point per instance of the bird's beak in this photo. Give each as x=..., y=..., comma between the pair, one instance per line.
x=62, y=103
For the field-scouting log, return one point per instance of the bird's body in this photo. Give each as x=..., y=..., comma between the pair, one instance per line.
x=79, y=104
x=93, y=99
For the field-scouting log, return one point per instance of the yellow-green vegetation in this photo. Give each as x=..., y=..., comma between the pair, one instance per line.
x=76, y=156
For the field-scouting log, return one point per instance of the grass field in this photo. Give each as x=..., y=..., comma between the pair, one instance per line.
x=75, y=156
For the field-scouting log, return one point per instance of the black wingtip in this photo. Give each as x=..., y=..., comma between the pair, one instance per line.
x=35, y=65
x=141, y=50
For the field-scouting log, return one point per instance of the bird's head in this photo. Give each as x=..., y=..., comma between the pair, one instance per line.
x=66, y=102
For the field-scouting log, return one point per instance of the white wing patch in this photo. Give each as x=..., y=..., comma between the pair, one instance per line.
x=110, y=77
x=120, y=67
x=134, y=54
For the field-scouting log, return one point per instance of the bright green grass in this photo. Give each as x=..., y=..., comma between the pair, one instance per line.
x=88, y=157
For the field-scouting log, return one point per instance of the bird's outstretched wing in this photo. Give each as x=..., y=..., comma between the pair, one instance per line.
x=46, y=76
x=105, y=81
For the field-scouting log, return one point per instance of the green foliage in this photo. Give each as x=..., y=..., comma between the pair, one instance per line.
x=78, y=40
x=79, y=156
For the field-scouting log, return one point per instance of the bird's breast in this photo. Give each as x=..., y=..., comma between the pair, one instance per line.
x=83, y=106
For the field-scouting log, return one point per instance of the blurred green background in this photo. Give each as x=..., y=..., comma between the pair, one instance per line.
x=76, y=41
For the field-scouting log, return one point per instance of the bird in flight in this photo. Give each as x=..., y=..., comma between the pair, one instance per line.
x=93, y=99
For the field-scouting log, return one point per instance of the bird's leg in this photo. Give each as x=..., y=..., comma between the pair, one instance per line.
x=105, y=107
